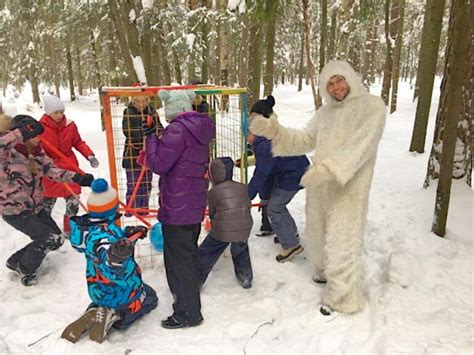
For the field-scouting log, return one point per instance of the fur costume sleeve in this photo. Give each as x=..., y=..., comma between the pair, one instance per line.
x=286, y=141
x=361, y=145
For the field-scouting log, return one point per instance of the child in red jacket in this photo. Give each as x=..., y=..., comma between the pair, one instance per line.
x=62, y=133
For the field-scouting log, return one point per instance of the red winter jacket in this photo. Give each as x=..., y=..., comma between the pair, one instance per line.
x=64, y=136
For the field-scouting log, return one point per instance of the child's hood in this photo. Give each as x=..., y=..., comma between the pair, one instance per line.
x=198, y=124
x=221, y=169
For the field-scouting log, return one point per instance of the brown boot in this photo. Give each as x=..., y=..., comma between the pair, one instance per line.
x=104, y=319
x=288, y=254
x=74, y=331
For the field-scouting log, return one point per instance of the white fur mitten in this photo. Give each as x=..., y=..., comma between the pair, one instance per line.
x=315, y=176
x=265, y=127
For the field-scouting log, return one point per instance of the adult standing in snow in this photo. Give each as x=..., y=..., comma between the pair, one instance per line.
x=344, y=134
x=63, y=134
x=23, y=165
x=181, y=157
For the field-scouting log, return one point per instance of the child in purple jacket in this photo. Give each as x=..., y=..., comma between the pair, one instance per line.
x=181, y=157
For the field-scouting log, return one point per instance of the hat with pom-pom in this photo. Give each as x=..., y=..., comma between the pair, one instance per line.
x=103, y=200
x=264, y=107
x=176, y=102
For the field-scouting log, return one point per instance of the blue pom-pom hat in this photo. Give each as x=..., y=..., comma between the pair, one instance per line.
x=103, y=200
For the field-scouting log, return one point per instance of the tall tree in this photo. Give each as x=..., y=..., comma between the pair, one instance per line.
x=271, y=10
x=309, y=58
x=428, y=57
x=398, y=25
x=391, y=7
x=323, y=34
x=456, y=70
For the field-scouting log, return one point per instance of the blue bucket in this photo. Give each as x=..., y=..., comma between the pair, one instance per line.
x=156, y=237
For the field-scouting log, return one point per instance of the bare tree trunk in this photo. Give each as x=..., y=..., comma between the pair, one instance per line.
x=389, y=37
x=426, y=71
x=95, y=57
x=344, y=28
x=455, y=77
x=332, y=35
x=268, y=79
x=254, y=62
x=54, y=65
x=224, y=46
x=244, y=52
x=122, y=39
x=323, y=34
x=70, y=74
x=80, y=84
x=177, y=68
x=301, y=68
x=206, y=44
x=307, y=29
x=398, y=24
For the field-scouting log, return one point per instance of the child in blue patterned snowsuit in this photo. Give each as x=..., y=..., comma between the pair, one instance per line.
x=119, y=296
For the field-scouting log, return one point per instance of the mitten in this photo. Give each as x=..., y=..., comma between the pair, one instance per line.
x=148, y=130
x=28, y=126
x=131, y=230
x=93, y=161
x=119, y=251
x=265, y=127
x=83, y=180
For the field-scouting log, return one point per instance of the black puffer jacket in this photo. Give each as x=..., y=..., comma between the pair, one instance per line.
x=229, y=204
x=132, y=129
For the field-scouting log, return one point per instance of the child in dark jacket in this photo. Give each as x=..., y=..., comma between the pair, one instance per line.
x=119, y=296
x=23, y=165
x=229, y=210
x=286, y=173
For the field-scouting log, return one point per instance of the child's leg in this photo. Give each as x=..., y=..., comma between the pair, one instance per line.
x=45, y=234
x=143, y=194
x=209, y=252
x=72, y=209
x=280, y=218
x=127, y=317
x=48, y=204
x=132, y=178
x=181, y=257
x=242, y=265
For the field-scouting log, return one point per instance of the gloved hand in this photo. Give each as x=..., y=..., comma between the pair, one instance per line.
x=131, y=230
x=148, y=130
x=316, y=175
x=28, y=126
x=141, y=157
x=83, y=180
x=119, y=251
x=93, y=161
x=265, y=127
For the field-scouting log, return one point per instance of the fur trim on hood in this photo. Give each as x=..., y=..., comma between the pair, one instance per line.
x=5, y=123
x=338, y=67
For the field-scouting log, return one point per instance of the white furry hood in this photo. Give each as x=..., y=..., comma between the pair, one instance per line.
x=338, y=67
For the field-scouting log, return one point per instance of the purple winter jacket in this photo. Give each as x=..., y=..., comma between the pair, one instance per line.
x=181, y=158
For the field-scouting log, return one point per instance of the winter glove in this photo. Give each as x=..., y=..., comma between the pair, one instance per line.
x=131, y=230
x=265, y=127
x=28, y=126
x=93, y=161
x=119, y=251
x=83, y=180
x=316, y=175
x=141, y=157
x=148, y=130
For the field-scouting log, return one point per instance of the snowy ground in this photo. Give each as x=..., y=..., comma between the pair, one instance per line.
x=280, y=313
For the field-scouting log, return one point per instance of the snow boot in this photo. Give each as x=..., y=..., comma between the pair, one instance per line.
x=172, y=323
x=103, y=320
x=265, y=233
x=325, y=310
x=26, y=279
x=288, y=254
x=74, y=331
x=244, y=279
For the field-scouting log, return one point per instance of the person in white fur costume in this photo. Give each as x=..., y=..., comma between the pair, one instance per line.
x=344, y=135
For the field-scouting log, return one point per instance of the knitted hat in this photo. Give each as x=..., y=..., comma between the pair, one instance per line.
x=52, y=104
x=176, y=102
x=264, y=107
x=103, y=200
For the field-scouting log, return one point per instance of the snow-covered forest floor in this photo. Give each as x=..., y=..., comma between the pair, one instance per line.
x=280, y=313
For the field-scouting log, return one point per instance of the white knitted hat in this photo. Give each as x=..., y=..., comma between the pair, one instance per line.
x=52, y=104
x=103, y=199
